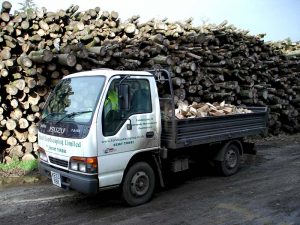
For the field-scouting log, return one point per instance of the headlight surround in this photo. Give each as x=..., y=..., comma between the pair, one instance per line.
x=84, y=164
x=42, y=155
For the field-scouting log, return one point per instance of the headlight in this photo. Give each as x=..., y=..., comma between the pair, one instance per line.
x=74, y=165
x=82, y=167
x=42, y=154
x=84, y=164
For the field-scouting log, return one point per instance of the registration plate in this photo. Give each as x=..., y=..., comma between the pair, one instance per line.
x=56, y=178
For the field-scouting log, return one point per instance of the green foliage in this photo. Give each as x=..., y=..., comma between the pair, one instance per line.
x=288, y=40
x=29, y=165
x=21, y=165
x=27, y=6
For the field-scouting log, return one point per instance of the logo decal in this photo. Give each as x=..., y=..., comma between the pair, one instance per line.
x=57, y=130
x=109, y=150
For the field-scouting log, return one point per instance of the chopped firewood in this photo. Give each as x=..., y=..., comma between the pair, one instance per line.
x=207, y=109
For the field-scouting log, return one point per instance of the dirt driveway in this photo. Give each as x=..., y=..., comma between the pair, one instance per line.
x=265, y=191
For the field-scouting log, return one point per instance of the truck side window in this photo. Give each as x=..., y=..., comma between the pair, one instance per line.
x=140, y=97
x=140, y=102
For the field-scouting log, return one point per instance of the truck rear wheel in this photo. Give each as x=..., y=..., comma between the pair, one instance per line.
x=138, y=185
x=231, y=160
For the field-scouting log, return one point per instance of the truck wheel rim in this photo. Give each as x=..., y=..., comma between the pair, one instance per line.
x=139, y=183
x=231, y=159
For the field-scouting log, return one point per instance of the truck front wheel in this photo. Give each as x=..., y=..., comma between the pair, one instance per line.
x=138, y=185
x=231, y=160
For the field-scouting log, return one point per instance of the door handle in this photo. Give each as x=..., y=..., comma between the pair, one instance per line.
x=150, y=134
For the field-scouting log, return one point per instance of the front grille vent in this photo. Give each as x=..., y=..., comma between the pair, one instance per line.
x=58, y=162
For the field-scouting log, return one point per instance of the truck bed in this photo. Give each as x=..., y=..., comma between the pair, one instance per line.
x=190, y=132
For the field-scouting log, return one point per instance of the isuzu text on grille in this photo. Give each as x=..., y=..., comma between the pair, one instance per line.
x=57, y=130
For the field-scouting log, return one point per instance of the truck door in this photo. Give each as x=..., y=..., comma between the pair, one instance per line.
x=135, y=127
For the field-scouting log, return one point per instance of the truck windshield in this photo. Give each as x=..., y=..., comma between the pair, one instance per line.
x=74, y=100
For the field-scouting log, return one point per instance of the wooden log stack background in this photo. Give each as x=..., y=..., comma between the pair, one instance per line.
x=208, y=63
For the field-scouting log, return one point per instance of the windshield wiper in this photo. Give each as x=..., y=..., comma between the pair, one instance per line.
x=50, y=114
x=70, y=115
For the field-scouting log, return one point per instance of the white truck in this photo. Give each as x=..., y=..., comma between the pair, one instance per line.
x=102, y=129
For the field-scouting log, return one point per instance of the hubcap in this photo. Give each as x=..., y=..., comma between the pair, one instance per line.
x=139, y=183
x=231, y=159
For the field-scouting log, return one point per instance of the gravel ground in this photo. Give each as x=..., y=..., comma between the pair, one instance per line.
x=265, y=191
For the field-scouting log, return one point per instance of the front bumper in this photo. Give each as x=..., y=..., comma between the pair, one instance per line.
x=87, y=184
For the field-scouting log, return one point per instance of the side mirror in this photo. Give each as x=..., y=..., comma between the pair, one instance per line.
x=124, y=97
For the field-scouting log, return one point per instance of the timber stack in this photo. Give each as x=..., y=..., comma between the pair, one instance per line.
x=207, y=63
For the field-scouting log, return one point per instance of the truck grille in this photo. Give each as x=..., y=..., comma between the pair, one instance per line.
x=59, y=162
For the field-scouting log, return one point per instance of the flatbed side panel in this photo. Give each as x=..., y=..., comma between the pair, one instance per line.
x=205, y=130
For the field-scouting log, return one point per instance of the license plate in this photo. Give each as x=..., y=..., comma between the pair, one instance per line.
x=56, y=178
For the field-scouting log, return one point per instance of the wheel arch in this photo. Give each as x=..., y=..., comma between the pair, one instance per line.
x=149, y=157
x=220, y=154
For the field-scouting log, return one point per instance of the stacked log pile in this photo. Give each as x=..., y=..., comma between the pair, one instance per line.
x=287, y=47
x=208, y=63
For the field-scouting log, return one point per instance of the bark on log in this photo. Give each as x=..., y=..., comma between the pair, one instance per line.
x=6, y=6
x=41, y=56
x=67, y=59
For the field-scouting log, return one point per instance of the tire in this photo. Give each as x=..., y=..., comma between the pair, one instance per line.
x=231, y=160
x=138, y=184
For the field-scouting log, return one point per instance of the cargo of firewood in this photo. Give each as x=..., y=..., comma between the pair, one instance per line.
x=196, y=110
x=209, y=63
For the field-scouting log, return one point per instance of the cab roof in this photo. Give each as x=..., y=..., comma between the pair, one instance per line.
x=108, y=73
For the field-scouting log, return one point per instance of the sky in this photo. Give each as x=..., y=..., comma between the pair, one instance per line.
x=279, y=19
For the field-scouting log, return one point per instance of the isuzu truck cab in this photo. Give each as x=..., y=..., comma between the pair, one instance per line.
x=102, y=129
